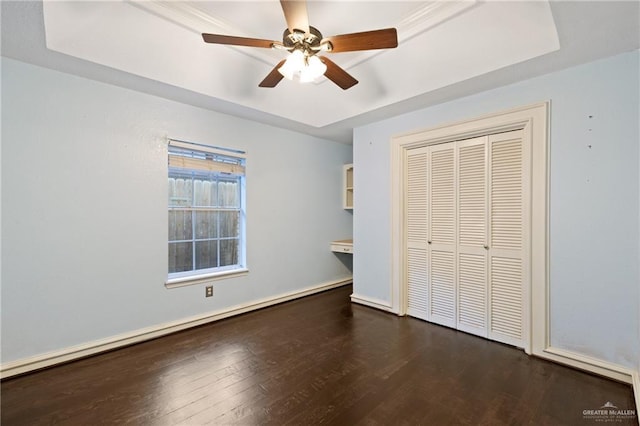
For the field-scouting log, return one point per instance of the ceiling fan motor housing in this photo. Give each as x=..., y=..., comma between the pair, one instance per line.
x=310, y=43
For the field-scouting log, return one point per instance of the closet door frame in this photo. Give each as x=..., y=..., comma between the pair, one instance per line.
x=533, y=120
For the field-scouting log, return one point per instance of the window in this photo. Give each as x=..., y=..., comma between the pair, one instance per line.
x=206, y=211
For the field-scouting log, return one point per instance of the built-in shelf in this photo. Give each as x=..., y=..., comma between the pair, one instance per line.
x=347, y=191
x=342, y=246
x=345, y=246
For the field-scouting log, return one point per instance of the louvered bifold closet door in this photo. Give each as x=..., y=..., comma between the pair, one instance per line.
x=442, y=235
x=416, y=232
x=472, y=236
x=508, y=205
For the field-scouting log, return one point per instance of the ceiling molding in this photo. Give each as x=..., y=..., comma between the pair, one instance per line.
x=422, y=19
x=194, y=19
x=187, y=15
x=431, y=14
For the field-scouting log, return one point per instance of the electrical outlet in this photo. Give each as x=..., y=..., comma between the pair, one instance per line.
x=209, y=291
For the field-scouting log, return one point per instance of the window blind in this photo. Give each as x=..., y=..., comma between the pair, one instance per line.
x=195, y=156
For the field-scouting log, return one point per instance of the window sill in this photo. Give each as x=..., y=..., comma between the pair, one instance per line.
x=204, y=278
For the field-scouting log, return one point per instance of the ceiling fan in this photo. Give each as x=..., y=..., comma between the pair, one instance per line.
x=304, y=42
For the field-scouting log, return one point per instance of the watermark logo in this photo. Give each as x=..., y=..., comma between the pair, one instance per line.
x=609, y=413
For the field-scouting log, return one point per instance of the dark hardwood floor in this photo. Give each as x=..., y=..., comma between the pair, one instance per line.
x=317, y=360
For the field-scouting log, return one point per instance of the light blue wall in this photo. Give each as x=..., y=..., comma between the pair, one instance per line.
x=84, y=218
x=594, y=193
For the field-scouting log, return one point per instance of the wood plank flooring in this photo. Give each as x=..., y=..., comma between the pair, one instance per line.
x=317, y=360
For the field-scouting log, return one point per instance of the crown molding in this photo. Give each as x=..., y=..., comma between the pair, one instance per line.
x=187, y=15
x=428, y=15
x=194, y=19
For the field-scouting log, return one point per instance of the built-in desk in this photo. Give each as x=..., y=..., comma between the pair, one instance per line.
x=342, y=246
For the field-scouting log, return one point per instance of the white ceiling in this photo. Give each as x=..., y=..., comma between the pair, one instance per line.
x=446, y=49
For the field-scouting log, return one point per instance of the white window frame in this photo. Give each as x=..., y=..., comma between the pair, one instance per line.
x=198, y=276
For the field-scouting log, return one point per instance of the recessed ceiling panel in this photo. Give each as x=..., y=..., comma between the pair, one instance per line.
x=440, y=43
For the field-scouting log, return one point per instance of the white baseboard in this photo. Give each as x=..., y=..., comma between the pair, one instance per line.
x=593, y=365
x=37, y=362
x=371, y=302
x=635, y=378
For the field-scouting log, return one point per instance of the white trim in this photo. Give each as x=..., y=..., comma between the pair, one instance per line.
x=398, y=275
x=533, y=119
x=635, y=382
x=593, y=365
x=195, y=146
x=37, y=362
x=371, y=302
x=504, y=121
x=204, y=278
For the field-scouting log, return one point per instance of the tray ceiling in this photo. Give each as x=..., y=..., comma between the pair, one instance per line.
x=447, y=49
x=440, y=43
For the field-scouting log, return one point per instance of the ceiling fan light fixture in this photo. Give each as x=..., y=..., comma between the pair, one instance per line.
x=302, y=67
x=293, y=65
x=314, y=68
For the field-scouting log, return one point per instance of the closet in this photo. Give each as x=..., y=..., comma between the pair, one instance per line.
x=466, y=207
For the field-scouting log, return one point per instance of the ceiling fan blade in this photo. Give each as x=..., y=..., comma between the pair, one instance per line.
x=337, y=74
x=367, y=40
x=274, y=76
x=238, y=41
x=295, y=12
